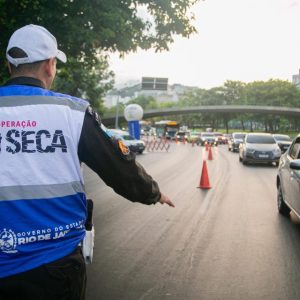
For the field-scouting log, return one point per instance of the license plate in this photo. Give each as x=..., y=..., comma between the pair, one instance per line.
x=263, y=155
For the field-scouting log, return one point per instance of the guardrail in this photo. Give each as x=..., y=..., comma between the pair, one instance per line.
x=157, y=144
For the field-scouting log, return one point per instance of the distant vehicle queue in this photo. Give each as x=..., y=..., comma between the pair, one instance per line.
x=252, y=147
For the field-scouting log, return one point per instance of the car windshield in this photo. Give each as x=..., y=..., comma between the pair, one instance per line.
x=127, y=137
x=181, y=133
x=239, y=136
x=120, y=135
x=282, y=138
x=260, y=139
x=208, y=134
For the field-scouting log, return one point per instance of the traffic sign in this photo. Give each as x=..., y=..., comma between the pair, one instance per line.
x=154, y=83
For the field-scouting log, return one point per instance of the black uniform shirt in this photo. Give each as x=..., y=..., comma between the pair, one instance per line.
x=104, y=156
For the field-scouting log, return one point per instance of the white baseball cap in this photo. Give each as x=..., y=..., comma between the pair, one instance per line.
x=38, y=44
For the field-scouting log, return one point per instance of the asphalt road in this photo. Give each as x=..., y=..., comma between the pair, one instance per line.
x=228, y=242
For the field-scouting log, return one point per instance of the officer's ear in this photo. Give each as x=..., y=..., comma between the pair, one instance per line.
x=50, y=67
x=49, y=72
x=9, y=67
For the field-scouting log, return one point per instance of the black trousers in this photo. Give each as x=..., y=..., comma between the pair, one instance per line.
x=63, y=279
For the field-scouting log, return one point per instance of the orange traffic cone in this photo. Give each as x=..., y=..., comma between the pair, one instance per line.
x=204, y=180
x=206, y=146
x=210, y=157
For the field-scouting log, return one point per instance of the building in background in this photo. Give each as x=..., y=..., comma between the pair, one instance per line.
x=296, y=80
x=171, y=94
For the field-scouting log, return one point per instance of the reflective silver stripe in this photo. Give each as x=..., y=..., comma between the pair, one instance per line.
x=10, y=101
x=40, y=191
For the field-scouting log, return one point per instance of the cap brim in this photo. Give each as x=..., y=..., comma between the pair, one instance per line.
x=61, y=56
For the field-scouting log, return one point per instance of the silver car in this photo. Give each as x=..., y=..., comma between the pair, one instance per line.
x=283, y=141
x=288, y=180
x=259, y=148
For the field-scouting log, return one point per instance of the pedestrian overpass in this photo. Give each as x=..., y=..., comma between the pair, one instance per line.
x=213, y=109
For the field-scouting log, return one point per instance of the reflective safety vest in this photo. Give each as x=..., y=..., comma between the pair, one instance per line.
x=42, y=199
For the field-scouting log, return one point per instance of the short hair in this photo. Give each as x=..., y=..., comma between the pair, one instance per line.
x=16, y=52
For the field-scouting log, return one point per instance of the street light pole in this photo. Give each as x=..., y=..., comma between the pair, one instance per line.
x=117, y=113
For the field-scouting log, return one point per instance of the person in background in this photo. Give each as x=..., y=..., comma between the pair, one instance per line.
x=44, y=137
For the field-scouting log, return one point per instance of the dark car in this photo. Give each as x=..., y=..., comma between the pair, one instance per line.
x=207, y=138
x=182, y=135
x=288, y=180
x=235, y=141
x=259, y=148
x=136, y=146
x=220, y=138
x=283, y=141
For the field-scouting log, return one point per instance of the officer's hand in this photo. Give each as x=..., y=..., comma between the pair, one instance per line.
x=166, y=199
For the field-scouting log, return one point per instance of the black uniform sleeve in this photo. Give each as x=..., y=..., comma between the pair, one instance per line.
x=118, y=170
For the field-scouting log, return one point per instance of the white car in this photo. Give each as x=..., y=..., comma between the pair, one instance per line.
x=136, y=146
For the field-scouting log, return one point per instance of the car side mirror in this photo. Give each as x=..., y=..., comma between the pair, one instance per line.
x=295, y=165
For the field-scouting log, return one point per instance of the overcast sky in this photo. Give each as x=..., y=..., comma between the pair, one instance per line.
x=244, y=40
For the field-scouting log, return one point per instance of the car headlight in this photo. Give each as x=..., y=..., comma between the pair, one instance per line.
x=250, y=150
x=277, y=152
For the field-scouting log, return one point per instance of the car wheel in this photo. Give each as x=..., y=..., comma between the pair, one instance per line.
x=283, y=209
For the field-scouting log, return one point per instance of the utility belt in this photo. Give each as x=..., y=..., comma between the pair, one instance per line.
x=87, y=243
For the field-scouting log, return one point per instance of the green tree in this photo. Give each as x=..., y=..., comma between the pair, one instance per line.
x=234, y=92
x=273, y=92
x=88, y=30
x=94, y=81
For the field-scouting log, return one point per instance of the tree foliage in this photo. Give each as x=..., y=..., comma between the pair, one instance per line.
x=87, y=30
x=75, y=81
x=273, y=92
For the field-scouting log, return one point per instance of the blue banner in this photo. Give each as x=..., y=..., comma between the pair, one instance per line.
x=134, y=129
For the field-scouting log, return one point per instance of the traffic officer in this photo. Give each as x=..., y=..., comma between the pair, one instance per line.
x=44, y=136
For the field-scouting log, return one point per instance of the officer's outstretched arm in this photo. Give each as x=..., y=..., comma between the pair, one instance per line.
x=165, y=199
x=115, y=164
